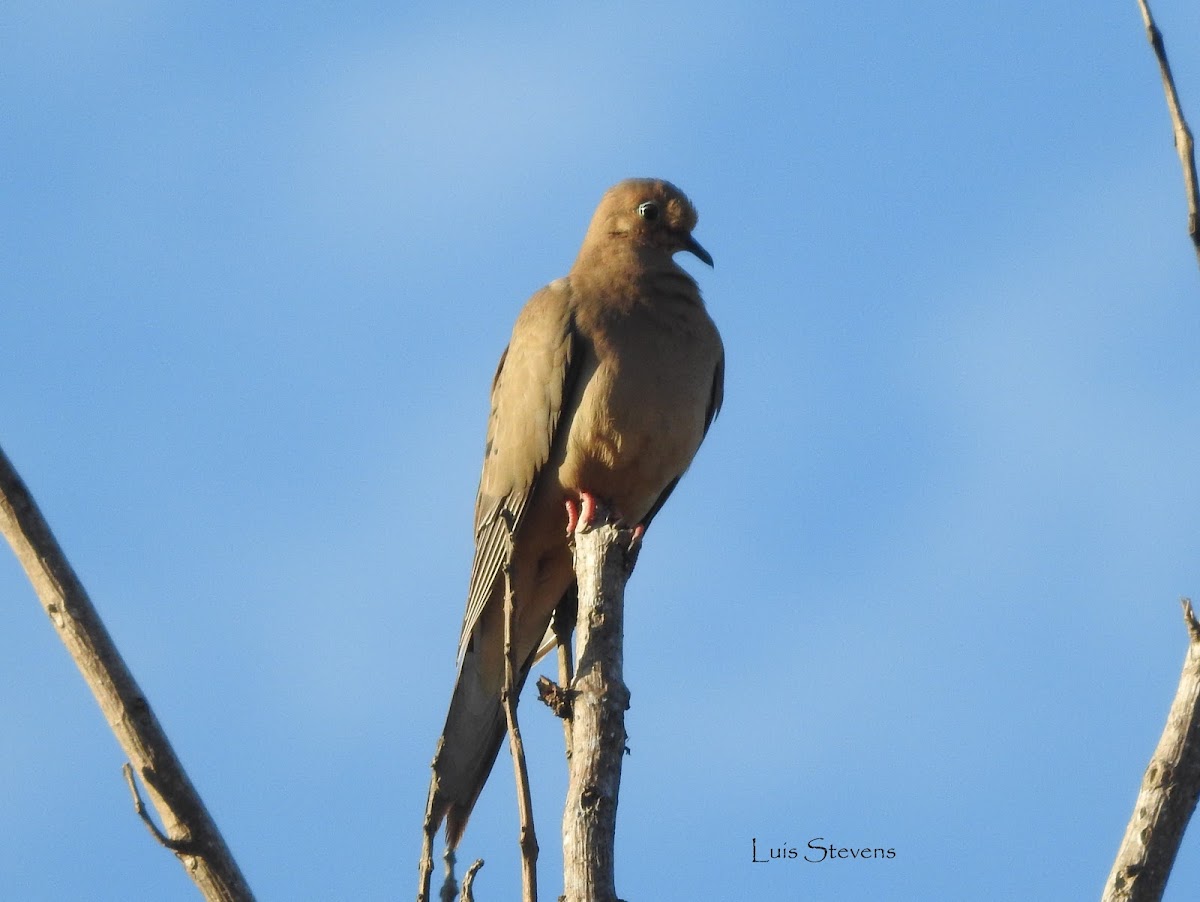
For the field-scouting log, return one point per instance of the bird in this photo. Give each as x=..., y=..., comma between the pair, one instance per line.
x=609, y=383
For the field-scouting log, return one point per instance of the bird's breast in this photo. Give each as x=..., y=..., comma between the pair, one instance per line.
x=643, y=397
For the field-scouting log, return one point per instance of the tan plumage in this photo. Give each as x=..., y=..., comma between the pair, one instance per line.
x=608, y=385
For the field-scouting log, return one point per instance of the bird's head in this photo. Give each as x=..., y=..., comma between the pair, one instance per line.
x=647, y=214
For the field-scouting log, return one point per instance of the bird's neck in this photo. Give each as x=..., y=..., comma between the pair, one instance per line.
x=626, y=267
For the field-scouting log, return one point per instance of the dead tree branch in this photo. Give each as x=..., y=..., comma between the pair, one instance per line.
x=599, y=699
x=1169, y=791
x=189, y=830
x=564, y=626
x=508, y=699
x=468, y=894
x=1183, y=135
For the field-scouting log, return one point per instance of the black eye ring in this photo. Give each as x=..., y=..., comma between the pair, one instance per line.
x=648, y=210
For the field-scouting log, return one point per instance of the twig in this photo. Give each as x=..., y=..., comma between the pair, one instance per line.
x=186, y=821
x=557, y=696
x=1169, y=791
x=175, y=845
x=565, y=616
x=557, y=699
x=1183, y=135
x=603, y=559
x=449, y=891
x=425, y=868
x=508, y=699
x=468, y=894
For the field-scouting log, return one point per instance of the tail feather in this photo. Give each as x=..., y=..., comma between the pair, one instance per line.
x=466, y=752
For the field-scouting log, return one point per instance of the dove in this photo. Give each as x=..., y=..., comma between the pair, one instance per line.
x=610, y=381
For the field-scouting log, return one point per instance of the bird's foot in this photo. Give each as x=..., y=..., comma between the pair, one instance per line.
x=634, y=548
x=586, y=513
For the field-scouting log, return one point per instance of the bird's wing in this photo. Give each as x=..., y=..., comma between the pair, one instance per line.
x=535, y=379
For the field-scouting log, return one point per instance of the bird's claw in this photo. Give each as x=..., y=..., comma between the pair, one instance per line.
x=585, y=514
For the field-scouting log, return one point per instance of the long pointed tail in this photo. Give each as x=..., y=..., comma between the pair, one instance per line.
x=466, y=751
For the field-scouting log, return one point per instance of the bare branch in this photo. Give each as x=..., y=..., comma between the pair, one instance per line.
x=508, y=699
x=468, y=894
x=139, y=807
x=557, y=699
x=189, y=829
x=1169, y=791
x=603, y=559
x=564, y=625
x=1183, y=135
x=449, y=891
x=425, y=867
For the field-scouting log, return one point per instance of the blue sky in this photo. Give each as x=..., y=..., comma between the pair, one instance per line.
x=919, y=590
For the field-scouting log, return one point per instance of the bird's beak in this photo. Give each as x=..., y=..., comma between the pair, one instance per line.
x=693, y=246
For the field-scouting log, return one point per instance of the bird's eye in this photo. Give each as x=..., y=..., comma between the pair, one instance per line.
x=648, y=210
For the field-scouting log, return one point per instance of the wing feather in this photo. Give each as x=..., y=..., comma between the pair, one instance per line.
x=534, y=380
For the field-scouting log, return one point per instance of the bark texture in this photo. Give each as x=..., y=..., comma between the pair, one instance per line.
x=599, y=699
x=1169, y=791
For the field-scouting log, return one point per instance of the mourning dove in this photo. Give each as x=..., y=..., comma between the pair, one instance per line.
x=604, y=393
